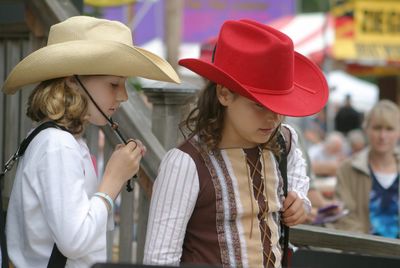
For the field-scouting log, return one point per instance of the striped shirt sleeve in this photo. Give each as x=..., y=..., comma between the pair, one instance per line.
x=175, y=192
x=298, y=181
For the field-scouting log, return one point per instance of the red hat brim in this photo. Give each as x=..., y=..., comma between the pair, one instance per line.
x=308, y=96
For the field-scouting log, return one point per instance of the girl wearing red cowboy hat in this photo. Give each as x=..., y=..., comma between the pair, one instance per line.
x=218, y=198
x=59, y=211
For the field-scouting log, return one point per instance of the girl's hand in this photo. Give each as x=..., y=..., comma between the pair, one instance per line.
x=143, y=148
x=293, y=210
x=312, y=215
x=122, y=165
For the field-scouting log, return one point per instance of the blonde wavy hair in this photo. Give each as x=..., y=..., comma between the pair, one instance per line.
x=55, y=100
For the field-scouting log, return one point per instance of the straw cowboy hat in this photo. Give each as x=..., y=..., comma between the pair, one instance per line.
x=258, y=62
x=88, y=46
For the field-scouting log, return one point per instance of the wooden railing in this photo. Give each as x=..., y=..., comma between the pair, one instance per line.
x=321, y=237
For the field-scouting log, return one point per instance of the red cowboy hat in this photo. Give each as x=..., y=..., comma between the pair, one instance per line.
x=259, y=63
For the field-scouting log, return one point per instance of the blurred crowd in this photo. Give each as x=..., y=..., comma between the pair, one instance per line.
x=354, y=168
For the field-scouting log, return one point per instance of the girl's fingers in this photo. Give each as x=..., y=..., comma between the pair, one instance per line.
x=294, y=212
x=132, y=143
x=144, y=150
x=294, y=208
x=140, y=145
x=294, y=219
x=289, y=199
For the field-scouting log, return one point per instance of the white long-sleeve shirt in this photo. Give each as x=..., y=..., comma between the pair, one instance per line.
x=175, y=193
x=52, y=202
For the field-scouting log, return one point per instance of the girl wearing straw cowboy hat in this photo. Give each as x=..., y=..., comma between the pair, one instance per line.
x=58, y=207
x=220, y=197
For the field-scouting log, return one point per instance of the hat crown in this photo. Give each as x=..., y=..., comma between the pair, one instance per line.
x=91, y=29
x=255, y=55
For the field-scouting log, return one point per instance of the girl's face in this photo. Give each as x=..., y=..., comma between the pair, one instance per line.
x=108, y=92
x=382, y=136
x=246, y=123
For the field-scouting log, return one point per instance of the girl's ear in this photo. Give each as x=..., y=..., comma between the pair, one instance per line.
x=225, y=96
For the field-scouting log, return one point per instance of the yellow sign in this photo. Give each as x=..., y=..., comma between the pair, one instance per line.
x=377, y=22
x=371, y=35
x=107, y=3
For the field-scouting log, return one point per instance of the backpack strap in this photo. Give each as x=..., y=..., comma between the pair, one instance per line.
x=57, y=259
x=3, y=243
x=24, y=144
x=285, y=141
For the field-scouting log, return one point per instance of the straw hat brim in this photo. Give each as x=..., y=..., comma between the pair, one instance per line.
x=308, y=96
x=84, y=57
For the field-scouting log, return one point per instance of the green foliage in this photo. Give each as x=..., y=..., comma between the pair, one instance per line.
x=306, y=6
x=134, y=83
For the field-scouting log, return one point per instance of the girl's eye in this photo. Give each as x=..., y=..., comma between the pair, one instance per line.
x=258, y=105
x=114, y=85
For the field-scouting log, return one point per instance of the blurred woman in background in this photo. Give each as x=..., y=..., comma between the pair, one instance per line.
x=368, y=182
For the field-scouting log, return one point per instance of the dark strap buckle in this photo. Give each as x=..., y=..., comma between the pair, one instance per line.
x=10, y=163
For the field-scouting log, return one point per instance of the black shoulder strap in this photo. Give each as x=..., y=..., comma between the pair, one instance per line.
x=284, y=140
x=24, y=144
x=283, y=161
x=56, y=258
x=4, y=253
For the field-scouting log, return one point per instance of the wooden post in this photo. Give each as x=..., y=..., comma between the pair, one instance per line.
x=169, y=101
x=143, y=212
x=173, y=30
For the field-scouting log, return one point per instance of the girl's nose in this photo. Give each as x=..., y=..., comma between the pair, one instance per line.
x=122, y=94
x=271, y=115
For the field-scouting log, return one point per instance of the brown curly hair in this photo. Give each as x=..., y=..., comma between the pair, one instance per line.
x=207, y=120
x=55, y=100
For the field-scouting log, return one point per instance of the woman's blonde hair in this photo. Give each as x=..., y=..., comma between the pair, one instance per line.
x=386, y=112
x=207, y=119
x=55, y=100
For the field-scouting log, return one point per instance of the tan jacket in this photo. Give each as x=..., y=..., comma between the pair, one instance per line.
x=353, y=188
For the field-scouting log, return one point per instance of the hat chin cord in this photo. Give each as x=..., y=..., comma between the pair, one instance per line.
x=113, y=125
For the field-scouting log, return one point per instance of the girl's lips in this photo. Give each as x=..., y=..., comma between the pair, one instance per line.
x=112, y=111
x=266, y=130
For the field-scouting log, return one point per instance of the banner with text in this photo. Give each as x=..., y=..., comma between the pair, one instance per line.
x=368, y=34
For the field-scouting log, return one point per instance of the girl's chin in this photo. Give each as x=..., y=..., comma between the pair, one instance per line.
x=99, y=123
x=263, y=138
x=256, y=142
